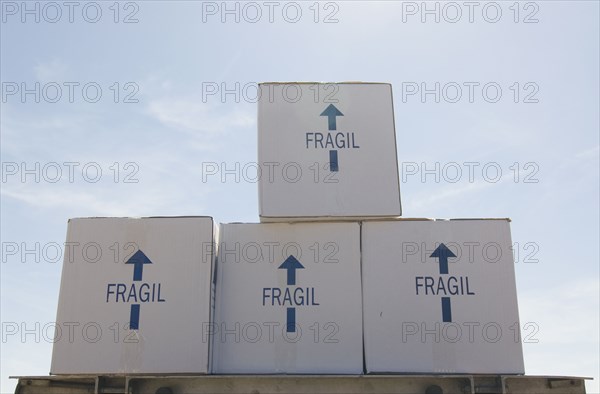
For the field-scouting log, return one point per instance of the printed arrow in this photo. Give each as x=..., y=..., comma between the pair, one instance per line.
x=291, y=264
x=138, y=260
x=333, y=161
x=134, y=317
x=291, y=320
x=442, y=253
x=446, y=310
x=332, y=112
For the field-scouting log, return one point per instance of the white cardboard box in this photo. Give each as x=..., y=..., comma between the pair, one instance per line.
x=280, y=314
x=321, y=145
x=121, y=311
x=423, y=315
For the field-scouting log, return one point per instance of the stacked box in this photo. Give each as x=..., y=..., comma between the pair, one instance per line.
x=327, y=152
x=288, y=299
x=134, y=295
x=440, y=297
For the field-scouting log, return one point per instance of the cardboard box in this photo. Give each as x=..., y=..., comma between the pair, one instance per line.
x=327, y=151
x=134, y=294
x=440, y=297
x=288, y=299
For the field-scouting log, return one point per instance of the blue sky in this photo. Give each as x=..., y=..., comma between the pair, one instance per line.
x=541, y=132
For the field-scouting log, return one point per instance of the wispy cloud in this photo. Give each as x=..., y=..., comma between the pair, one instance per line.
x=591, y=153
x=575, y=302
x=51, y=71
x=193, y=115
x=452, y=194
x=125, y=201
x=567, y=319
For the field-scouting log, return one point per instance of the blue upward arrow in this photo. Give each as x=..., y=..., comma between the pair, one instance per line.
x=138, y=260
x=442, y=252
x=331, y=112
x=291, y=264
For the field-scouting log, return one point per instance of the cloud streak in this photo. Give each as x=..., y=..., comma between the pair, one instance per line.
x=191, y=115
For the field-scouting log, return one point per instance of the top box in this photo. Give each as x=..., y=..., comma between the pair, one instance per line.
x=327, y=151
